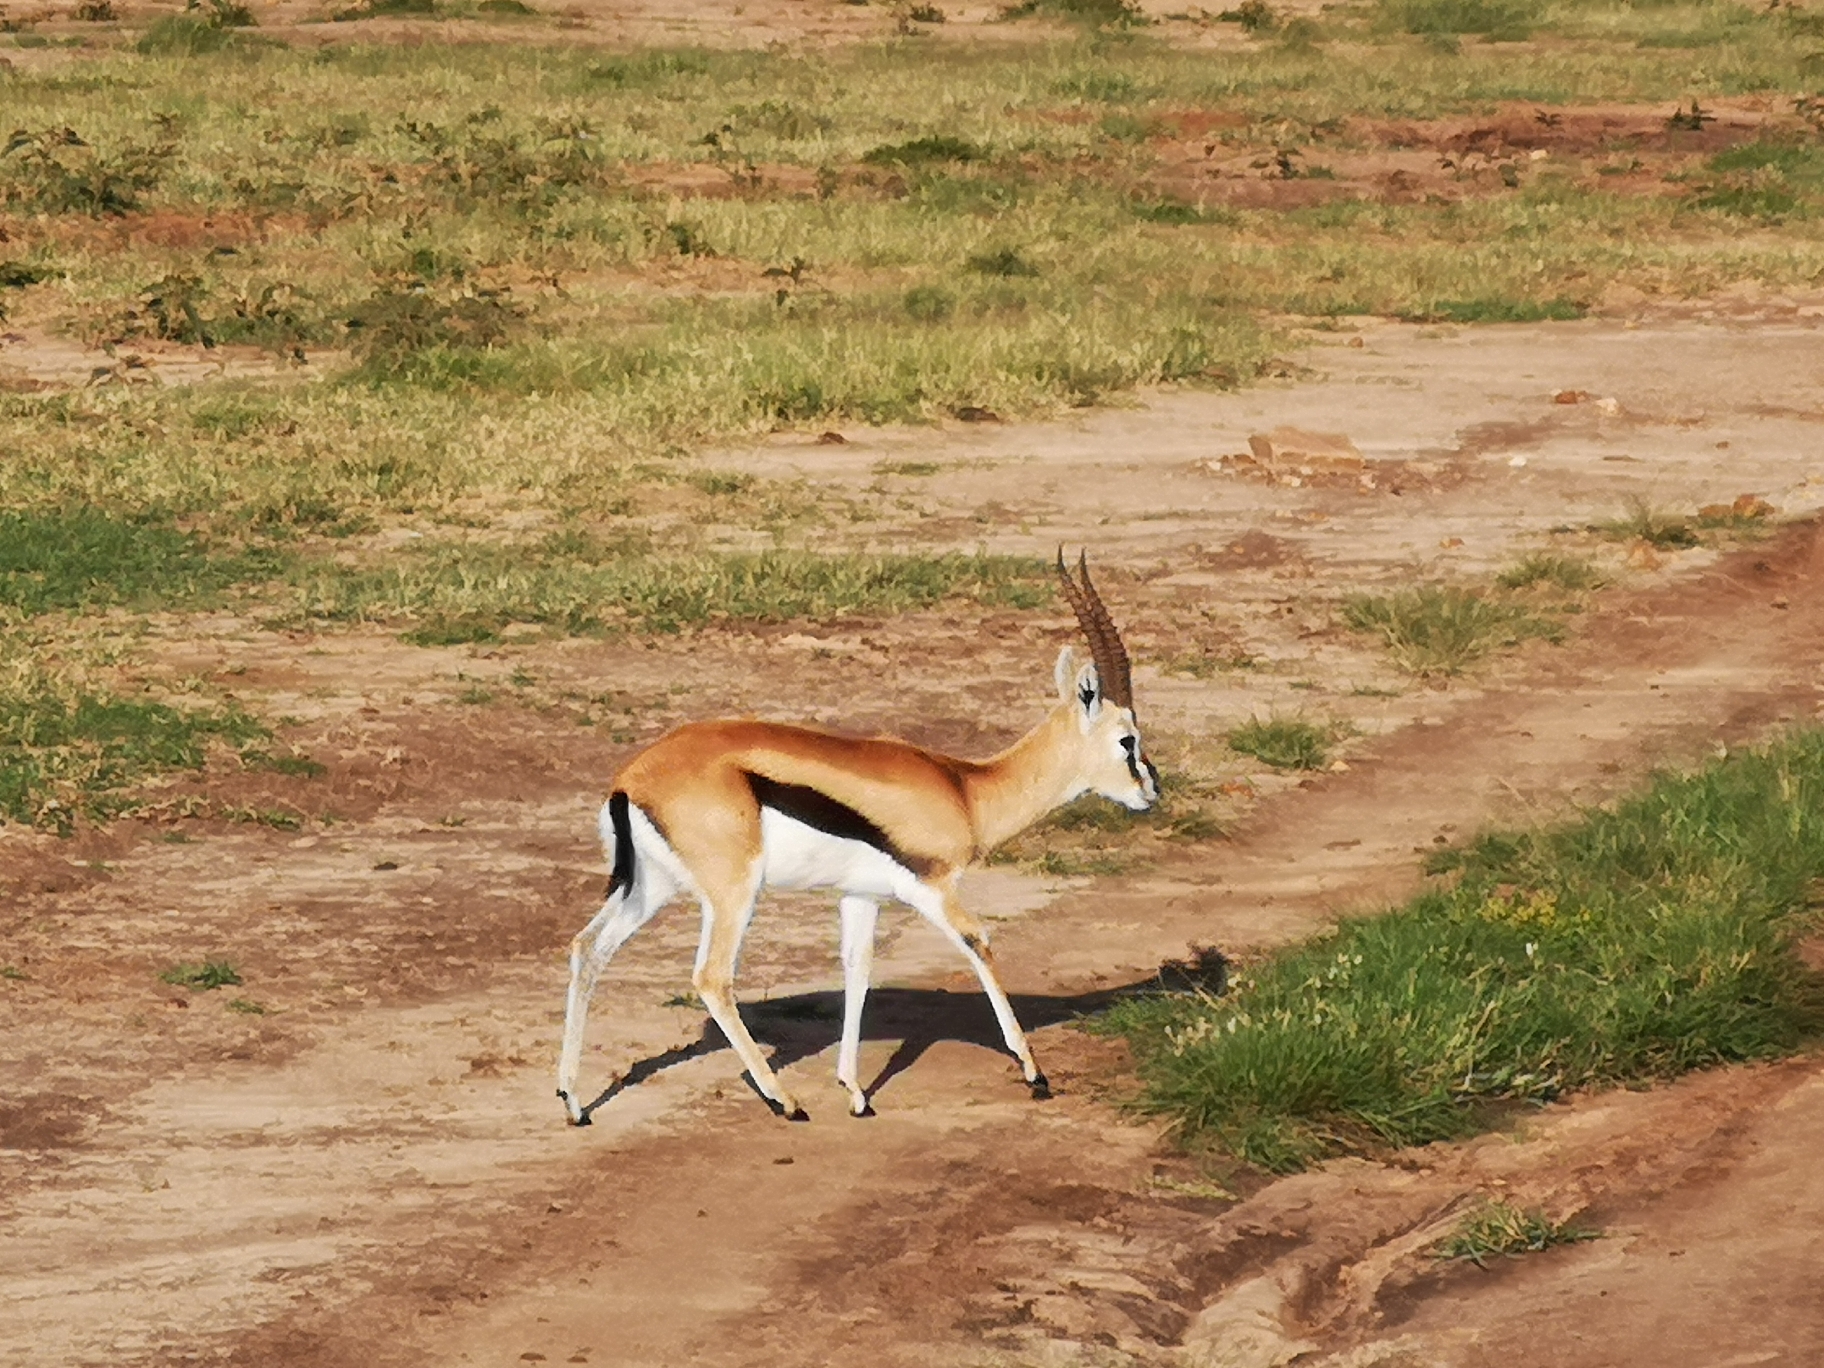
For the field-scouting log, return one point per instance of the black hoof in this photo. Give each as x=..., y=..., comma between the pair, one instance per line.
x=583, y=1120
x=865, y=1113
x=800, y=1115
x=1041, y=1088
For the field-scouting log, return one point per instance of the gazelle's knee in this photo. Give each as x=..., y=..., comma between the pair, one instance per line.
x=713, y=985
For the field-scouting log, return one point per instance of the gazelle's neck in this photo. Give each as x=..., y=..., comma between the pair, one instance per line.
x=1037, y=773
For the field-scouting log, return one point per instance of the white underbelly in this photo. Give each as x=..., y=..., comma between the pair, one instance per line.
x=795, y=855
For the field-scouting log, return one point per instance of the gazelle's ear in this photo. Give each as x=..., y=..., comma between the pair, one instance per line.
x=1066, y=674
x=1088, y=690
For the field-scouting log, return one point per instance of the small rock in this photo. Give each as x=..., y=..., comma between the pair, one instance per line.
x=1516, y=461
x=1315, y=451
x=1451, y=543
x=1357, y=342
x=831, y=439
x=975, y=413
x=1781, y=602
x=1752, y=506
x=1644, y=557
x=1611, y=407
x=1571, y=397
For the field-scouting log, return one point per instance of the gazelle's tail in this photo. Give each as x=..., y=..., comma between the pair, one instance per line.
x=617, y=841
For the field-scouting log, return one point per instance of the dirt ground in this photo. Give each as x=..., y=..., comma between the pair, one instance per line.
x=371, y=1169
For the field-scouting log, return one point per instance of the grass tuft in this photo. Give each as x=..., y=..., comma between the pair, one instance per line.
x=1284, y=742
x=1507, y=1230
x=1626, y=946
x=1643, y=522
x=204, y=977
x=934, y=147
x=1440, y=629
x=1571, y=574
x=56, y=170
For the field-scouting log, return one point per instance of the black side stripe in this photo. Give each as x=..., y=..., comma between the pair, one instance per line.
x=818, y=810
x=620, y=879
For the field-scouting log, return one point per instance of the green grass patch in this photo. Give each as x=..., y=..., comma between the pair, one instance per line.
x=204, y=977
x=477, y=241
x=68, y=751
x=1623, y=947
x=1496, y=310
x=470, y=234
x=1442, y=629
x=933, y=147
x=1503, y=1229
x=1284, y=742
x=82, y=558
x=456, y=594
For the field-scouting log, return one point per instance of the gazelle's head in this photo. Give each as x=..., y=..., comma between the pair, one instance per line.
x=1100, y=695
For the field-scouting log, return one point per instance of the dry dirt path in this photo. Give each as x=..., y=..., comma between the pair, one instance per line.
x=968, y=1219
x=404, y=1192
x=378, y=1173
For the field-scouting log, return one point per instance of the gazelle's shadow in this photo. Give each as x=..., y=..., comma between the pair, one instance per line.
x=806, y=1024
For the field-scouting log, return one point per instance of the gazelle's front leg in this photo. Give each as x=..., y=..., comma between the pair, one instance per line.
x=968, y=935
x=725, y=920
x=858, y=920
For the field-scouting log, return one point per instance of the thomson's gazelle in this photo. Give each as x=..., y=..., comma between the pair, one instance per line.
x=719, y=810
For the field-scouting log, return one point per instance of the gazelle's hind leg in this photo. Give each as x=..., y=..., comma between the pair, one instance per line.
x=940, y=907
x=726, y=913
x=858, y=920
x=626, y=911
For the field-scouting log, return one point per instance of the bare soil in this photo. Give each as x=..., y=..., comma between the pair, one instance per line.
x=364, y=1165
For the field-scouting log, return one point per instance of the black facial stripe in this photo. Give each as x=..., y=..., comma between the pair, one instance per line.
x=1131, y=745
x=818, y=810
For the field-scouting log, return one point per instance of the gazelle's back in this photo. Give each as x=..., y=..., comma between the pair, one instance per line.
x=697, y=784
